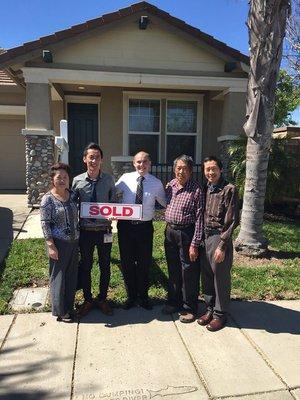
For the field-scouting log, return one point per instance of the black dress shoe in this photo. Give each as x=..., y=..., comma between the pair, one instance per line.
x=216, y=324
x=205, y=318
x=69, y=318
x=129, y=304
x=146, y=305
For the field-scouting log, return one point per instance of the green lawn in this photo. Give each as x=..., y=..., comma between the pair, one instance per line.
x=27, y=265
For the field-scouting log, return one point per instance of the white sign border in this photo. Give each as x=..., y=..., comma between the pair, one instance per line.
x=138, y=206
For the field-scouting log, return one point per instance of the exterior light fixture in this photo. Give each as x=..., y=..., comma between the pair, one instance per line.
x=230, y=66
x=81, y=87
x=47, y=56
x=143, y=21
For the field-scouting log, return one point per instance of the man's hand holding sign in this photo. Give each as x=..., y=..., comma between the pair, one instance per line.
x=111, y=211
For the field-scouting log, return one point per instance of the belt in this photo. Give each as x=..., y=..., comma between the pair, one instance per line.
x=211, y=232
x=95, y=228
x=178, y=227
x=139, y=222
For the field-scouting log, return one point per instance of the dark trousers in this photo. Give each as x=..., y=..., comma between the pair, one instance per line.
x=63, y=277
x=87, y=242
x=216, y=278
x=184, y=275
x=135, y=244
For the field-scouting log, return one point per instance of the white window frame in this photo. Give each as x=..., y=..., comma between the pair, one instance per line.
x=138, y=96
x=197, y=134
x=163, y=96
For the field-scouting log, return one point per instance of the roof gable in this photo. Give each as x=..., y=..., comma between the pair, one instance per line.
x=27, y=49
x=127, y=47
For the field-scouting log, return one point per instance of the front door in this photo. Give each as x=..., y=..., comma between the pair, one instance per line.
x=82, y=130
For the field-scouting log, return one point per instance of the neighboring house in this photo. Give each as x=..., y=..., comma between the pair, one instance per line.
x=134, y=79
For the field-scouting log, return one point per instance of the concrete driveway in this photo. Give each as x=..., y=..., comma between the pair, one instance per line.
x=13, y=214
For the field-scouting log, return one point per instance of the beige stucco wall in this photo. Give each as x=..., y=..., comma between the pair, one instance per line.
x=57, y=115
x=234, y=114
x=38, y=106
x=212, y=123
x=12, y=96
x=222, y=117
x=111, y=124
x=126, y=45
x=12, y=160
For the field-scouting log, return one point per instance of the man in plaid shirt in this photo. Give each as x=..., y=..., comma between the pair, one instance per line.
x=184, y=231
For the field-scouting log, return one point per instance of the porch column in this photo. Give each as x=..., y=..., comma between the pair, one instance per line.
x=39, y=140
x=234, y=111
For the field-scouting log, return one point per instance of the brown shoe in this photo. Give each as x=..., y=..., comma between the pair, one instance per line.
x=205, y=318
x=84, y=309
x=216, y=324
x=104, y=307
x=186, y=317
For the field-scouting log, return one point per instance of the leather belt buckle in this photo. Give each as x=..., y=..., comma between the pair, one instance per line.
x=179, y=227
x=138, y=222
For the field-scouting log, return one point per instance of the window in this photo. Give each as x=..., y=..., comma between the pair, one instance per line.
x=181, y=129
x=165, y=125
x=182, y=116
x=144, y=127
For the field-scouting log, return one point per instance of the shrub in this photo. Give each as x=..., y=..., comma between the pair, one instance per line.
x=283, y=169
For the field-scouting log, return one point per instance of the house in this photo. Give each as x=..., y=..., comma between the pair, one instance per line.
x=133, y=79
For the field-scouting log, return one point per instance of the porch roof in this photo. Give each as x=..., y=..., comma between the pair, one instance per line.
x=10, y=55
x=5, y=79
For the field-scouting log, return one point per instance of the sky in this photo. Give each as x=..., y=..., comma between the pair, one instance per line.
x=26, y=20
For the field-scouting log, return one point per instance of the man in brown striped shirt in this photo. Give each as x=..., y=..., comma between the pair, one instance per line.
x=220, y=218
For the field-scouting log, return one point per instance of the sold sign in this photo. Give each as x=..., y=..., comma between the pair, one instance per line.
x=111, y=210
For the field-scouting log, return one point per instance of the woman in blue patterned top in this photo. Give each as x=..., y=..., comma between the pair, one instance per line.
x=59, y=219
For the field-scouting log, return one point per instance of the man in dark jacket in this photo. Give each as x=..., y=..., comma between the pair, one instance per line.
x=220, y=218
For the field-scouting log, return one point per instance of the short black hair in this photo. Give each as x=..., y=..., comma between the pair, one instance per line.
x=56, y=167
x=213, y=158
x=188, y=160
x=92, y=146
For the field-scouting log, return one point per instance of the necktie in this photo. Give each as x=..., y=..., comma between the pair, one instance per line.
x=93, y=196
x=139, y=190
x=94, y=192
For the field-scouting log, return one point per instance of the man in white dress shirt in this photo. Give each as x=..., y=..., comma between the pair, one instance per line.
x=136, y=237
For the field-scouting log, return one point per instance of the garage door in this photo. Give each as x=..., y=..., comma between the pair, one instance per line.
x=12, y=155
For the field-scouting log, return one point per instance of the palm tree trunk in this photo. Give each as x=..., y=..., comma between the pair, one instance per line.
x=251, y=240
x=266, y=23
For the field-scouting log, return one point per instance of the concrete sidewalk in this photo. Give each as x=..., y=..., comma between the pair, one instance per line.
x=143, y=355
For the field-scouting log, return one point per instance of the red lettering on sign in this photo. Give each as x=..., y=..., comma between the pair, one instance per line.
x=115, y=213
x=94, y=210
x=105, y=211
x=127, y=211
